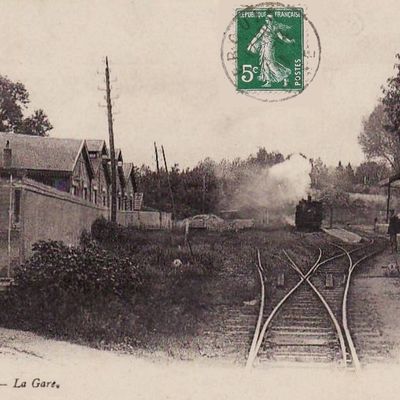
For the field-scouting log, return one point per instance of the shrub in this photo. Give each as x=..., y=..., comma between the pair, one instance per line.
x=88, y=271
x=103, y=230
x=58, y=282
x=116, y=289
x=358, y=203
x=158, y=248
x=117, y=237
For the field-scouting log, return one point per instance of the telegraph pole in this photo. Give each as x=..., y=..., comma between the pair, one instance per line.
x=204, y=194
x=158, y=171
x=112, y=148
x=134, y=183
x=158, y=194
x=169, y=183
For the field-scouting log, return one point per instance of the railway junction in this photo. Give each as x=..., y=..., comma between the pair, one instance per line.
x=330, y=304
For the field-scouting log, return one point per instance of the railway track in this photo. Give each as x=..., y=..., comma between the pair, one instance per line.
x=308, y=321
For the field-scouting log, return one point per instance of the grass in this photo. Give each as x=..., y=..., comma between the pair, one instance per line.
x=182, y=310
x=179, y=305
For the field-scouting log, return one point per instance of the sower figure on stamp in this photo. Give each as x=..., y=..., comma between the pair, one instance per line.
x=392, y=231
x=264, y=43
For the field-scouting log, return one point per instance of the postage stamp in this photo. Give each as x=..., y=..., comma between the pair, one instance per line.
x=270, y=49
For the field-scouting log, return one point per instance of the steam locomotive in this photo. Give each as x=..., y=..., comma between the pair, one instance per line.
x=309, y=215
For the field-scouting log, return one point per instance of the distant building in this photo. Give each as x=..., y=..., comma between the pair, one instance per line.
x=120, y=180
x=130, y=186
x=100, y=158
x=61, y=163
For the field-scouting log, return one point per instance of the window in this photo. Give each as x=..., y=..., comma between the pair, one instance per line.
x=17, y=205
x=85, y=193
x=131, y=204
x=94, y=196
x=60, y=184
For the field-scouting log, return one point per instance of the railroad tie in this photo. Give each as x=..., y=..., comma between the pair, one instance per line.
x=281, y=280
x=329, y=281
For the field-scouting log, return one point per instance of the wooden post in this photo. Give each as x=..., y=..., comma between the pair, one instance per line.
x=186, y=231
x=158, y=168
x=204, y=194
x=158, y=197
x=134, y=182
x=388, y=203
x=169, y=183
x=10, y=214
x=156, y=153
x=112, y=148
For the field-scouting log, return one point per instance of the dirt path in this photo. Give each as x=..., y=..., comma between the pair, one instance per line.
x=84, y=373
x=375, y=310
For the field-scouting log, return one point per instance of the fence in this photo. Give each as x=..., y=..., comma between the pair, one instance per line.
x=40, y=212
x=145, y=219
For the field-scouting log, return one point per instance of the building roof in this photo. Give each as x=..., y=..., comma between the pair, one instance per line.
x=97, y=146
x=43, y=153
x=392, y=180
x=118, y=155
x=129, y=174
x=98, y=163
x=127, y=167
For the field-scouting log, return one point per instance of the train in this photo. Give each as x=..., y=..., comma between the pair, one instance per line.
x=309, y=215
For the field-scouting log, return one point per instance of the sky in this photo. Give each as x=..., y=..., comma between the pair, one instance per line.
x=171, y=86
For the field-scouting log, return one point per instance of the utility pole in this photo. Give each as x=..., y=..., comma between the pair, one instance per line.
x=10, y=215
x=158, y=173
x=112, y=148
x=158, y=194
x=169, y=183
x=134, y=183
x=204, y=194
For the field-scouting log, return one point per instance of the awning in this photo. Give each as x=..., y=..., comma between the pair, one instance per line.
x=393, y=181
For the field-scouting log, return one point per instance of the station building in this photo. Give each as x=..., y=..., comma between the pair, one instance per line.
x=53, y=189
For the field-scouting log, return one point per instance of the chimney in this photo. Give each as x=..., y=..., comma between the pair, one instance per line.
x=7, y=156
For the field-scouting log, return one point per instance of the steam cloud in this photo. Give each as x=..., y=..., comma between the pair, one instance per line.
x=276, y=188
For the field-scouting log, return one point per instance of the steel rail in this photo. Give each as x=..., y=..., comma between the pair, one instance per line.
x=254, y=350
x=260, y=271
x=352, y=266
x=260, y=338
x=326, y=305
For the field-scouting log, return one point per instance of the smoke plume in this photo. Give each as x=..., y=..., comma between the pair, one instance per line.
x=277, y=188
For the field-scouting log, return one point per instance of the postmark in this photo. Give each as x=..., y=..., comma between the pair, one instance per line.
x=271, y=51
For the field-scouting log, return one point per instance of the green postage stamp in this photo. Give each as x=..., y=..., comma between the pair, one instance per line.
x=270, y=48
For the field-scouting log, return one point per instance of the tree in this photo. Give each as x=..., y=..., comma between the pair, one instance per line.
x=348, y=178
x=369, y=173
x=380, y=138
x=14, y=101
x=391, y=101
x=377, y=142
x=263, y=158
x=338, y=175
x=333, y=197
x=319, y=174
x=38, y=124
